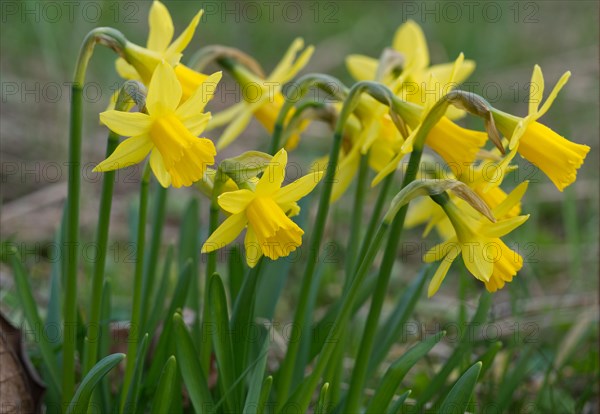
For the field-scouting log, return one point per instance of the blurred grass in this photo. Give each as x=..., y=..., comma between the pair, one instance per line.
x=559, y=281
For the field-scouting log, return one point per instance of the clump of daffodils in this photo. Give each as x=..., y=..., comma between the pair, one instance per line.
x=169, y=124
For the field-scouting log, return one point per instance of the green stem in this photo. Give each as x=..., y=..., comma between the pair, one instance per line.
x=72, y=244
x=158, y=218
x=389, y=257
x=93, y=332
x=115, y=40
x=356, y=220
x=286, y=372
x=376, y=214
x=134, y=326
x=108, y=183
x=301, y=398
x=211, y=267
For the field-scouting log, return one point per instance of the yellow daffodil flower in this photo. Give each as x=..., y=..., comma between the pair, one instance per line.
x=417, y=81
x=262, y=97
x=484, y=254
x=266, y=212
x=139, y=62
x=168, y=131
x=556, y=156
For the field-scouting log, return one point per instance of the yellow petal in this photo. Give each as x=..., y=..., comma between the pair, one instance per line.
x=227, y=115
x=475, y=257
x=298, y=189
x=127, y=124
x=197, y=102
x=164, y=92
x=441, y=272
x=511, y=200
x=444, y=71
x=361, y=67
x=193, y=163
x=388, y=169
x=125, y=70
x=235, y=128
x=158, y=168
x=225, y=233
x=559, y=85
x=273, y=175
x=235, y=201
x=503, y=227
x=345, y=173
x=160, y=27
x=298, y=65
x=536, y=89
x=184, y=38
x=410, y=41
x=129, y=152
x=284, y=65
x=197, y=124
x=438, y=252
x=252, y=247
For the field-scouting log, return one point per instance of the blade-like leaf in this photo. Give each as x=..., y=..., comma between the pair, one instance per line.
x=133, y=393
x=222, y=341
x=257, y=386
x=166, y=388
x=396, y=372
x=457, y=400
x=190, y=368
x=79, y=403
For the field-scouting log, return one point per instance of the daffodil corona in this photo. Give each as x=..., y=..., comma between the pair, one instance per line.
x=168, y=131
x=266, y=211
x=477, y=239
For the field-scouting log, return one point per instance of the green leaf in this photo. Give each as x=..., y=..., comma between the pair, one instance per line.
x=222, y=342
x=190, y=368
x=264, y=394
x=396, y=372
x=457, y=400
x=392, y=328
x=32, y=316
x=437, y=384
x=81, y=399
x=488, y=357
x=166, y=388
x=323, y=401
x=165, y=346
x=236, y=272
x=257, y=385
x=396, y=407
x=161, y=293
x=134, y=388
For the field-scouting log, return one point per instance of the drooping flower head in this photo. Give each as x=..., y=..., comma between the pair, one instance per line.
x=266, y=211
x=556, y=156
x=168, y=131
x=478, y=241
x=139, y=62
x=262, y=97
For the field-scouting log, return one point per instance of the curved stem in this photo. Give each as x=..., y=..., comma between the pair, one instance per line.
x=362, y=360
x=286, y=372
x=356, y=220
x=115, y=40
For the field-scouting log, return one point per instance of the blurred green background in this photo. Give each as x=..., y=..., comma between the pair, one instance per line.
x=556, y=292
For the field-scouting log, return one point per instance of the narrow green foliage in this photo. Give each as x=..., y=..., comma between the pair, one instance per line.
x=81, y=399
x=458, y=398
x=166, y=390
x=396, y=372
x=222, y=342
x=255, y=398
x=190, y=368
x=131, y=401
